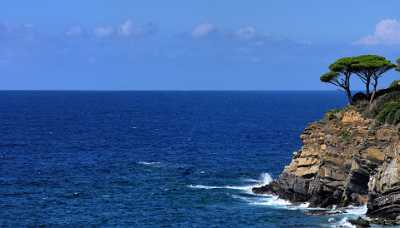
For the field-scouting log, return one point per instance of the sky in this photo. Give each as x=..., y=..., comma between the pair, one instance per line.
x=189, y=45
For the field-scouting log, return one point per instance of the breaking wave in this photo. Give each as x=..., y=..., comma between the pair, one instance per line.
x=251, y=198
x=264, y=179
x=362, y=210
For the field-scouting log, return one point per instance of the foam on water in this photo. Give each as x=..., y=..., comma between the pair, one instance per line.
x=304, y=205
x=351, y=212
x=344, y=223
x=149, y=163
x=265, y=179
x=200, y=186
x=271, y=201
x=356, y=210
x=250, y=180
x=262, y=200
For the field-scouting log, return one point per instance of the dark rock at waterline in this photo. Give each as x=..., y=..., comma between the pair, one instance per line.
x=385, y=221
x=360, y=222
x=272, y=189
x=323, y=212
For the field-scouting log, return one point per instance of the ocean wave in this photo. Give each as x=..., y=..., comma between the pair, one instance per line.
x=362, y=210
x=199, y=186
x=148, y=163
x=250, y=180
x=344, y=222
x=254, y=199
x=271, y=201
x=351, y=212
x=264, y=179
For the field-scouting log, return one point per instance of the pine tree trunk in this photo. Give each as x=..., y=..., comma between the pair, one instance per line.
x=347, y=89
x=367, y=82
x=349, y=96
x=373, y=94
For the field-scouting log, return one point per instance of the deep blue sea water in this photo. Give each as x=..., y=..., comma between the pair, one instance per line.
x=151, y=159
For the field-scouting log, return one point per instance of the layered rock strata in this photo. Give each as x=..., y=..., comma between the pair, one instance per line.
x=345, y=159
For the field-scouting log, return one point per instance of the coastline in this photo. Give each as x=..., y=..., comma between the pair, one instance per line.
x=347, y=159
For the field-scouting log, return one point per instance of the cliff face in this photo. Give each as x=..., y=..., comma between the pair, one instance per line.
x=384, y=186
x=345, y=159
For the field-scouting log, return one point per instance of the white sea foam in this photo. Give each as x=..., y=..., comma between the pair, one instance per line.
x=200, y=186
x=304, y=205
x=344, y=223
x=149, y=163
x=351, y=212
x=271, y=201
x=265, y=179
x=251, y=180
x=356, y=210
x=262, y=200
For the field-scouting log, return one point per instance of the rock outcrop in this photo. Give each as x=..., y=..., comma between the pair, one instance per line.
x=346, y=159
x=384, y=188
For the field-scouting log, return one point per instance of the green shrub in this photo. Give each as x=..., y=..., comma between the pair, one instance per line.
x=332, y=114
x=394, y=84
x=378, y=105
x=390, y=113
x=345, y=135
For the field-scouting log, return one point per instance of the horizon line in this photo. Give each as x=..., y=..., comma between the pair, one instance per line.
x=160, y=90
x=109, y=90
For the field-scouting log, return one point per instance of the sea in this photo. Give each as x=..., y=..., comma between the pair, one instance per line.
x=154, y=158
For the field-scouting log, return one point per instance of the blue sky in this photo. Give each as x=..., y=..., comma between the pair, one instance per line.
x=188, y=45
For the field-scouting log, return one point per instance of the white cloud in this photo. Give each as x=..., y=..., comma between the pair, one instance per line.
x=386, y=32
x=246, y=33
x=103, y=31
x=203, y=30
x=74, y=31
x=128, y=28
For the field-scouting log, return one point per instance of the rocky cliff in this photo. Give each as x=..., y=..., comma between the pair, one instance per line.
x=346, y=159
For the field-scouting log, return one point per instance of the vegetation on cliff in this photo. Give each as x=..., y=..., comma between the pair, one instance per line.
x=368, y=68
x=382, y=105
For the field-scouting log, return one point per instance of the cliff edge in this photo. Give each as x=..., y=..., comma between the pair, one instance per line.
x=350, y=157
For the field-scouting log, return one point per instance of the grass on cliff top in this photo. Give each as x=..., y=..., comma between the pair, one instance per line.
x=390, y=113
x=385, y=108
x=332, y=114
